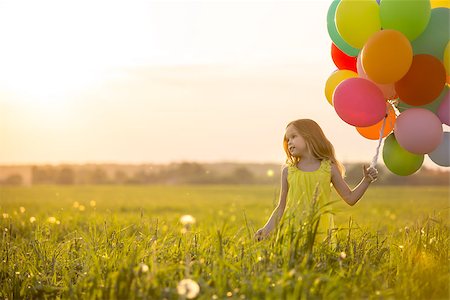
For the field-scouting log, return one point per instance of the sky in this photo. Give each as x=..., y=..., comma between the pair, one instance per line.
x=164, y=81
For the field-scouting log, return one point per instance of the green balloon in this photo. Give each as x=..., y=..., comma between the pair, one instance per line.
x=334, y=34
x=398, y=160
x=433, y=106
x=435, y=37
x=410, y=17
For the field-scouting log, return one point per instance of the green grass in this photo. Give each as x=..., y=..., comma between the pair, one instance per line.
x=395, y=240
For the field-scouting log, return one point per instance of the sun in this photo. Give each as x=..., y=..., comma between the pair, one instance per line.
x=48, y=78
x=52, y=50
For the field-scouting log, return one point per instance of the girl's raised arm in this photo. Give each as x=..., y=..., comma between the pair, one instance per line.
x=342, y=188
x=279, y=209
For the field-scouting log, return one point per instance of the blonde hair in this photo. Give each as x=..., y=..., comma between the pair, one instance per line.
x=316, y=141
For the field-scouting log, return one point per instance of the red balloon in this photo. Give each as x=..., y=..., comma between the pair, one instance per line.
x=424, y=81
x=342, y=60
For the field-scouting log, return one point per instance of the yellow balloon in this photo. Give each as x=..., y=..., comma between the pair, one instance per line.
x=440, y=3
x=334, y=80
x=447, y=61
x=356, y=21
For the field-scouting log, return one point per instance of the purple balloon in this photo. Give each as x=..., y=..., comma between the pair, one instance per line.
x=441, y=155
x=418, y=130
x=443, y=111
x=359, y=102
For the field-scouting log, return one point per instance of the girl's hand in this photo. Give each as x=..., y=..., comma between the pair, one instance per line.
x=370, y=174
x=261, y=234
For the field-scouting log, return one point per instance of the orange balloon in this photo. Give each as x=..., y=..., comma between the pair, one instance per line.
x=424, y=81
x=387, y=56
x=373, y=132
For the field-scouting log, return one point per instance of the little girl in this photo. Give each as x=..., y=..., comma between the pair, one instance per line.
x=311, y=165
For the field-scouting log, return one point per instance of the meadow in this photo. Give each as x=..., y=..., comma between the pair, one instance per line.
x=132, y=242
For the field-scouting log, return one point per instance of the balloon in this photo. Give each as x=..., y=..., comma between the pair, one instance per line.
x=387, y=89
x=387, y=56
x=373, y=132
x=356, y=21
x=342, y=60
x=424, y=81
x=443, y=111
x=441, y=155
x=440, y=3
x=410, y=17
x=447, y=61
x=418, y=130
x=398, y=160
x=435, y=37
x=433, y=106
x=333, y=33
x=359, y=102
x=333, y=81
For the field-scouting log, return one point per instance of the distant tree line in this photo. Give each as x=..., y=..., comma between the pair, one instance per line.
x=183, y=173
x=197, y=173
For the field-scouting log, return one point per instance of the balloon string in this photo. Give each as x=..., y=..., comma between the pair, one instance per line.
x=375, y=158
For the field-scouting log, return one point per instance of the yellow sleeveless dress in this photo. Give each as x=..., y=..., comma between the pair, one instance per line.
x=300, y=198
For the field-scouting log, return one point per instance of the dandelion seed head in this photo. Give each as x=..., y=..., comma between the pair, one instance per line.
x=81, y=208
x=343, y=255
x=5, y=216
x=22, y=209
x=76, y=204
x=32, y=219
x=143, y=268
x=51, y=220
x=229, y=294
x=188, y=288
x=187, y=220
x=92, y=203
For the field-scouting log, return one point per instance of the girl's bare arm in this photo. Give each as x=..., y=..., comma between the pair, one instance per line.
x=342, y=188
x=279, y=209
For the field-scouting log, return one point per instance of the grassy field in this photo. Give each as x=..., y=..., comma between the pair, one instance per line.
x=128, y=242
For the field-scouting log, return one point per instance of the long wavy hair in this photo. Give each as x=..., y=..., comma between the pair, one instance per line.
x=316, y=142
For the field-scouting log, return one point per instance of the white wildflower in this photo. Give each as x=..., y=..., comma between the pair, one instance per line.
x=188, y=288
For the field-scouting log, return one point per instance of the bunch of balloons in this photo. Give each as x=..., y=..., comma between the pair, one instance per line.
x=393, y=75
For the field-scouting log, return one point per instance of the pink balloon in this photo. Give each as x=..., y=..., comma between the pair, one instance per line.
x=387, y=89
x=418, y=130
x=359, y=102
x=443, y=111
